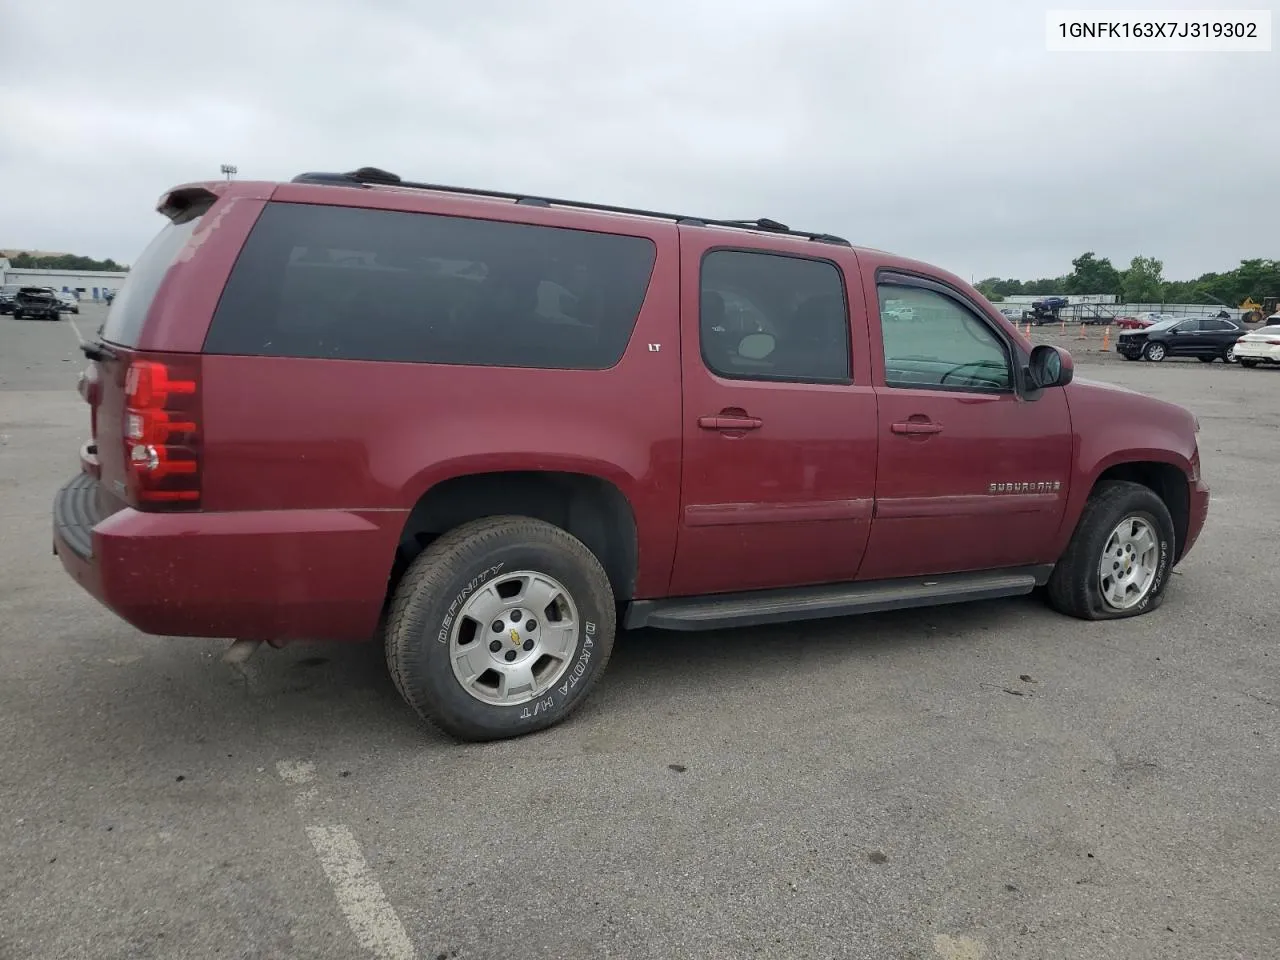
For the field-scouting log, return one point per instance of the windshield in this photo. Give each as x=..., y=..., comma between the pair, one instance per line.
x=1165, y=324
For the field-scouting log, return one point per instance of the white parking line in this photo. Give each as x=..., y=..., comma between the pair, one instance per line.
x=370, y=916
x=296, y=771
x=369, y=913
x=958, y=948
x=75, y=328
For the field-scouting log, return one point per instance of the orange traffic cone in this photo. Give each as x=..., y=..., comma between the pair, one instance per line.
x=1083, y=335
x=1106, y=339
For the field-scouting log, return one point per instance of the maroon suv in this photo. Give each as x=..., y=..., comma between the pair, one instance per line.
x=487, y=428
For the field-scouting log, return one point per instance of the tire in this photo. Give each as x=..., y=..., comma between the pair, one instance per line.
x=1076, y=586
x=445, y=590
x=1248, y=364
x=1155, y=352
x=1229, y=355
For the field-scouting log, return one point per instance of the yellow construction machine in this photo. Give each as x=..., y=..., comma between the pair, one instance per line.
x=1255, y=312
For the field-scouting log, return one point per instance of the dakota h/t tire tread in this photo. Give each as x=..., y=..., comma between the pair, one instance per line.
x=441, y=574
x=1073, y=588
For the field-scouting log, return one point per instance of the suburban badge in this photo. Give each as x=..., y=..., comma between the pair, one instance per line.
x=1046, y=486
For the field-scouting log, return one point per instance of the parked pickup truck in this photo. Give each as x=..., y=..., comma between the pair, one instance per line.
x=488, y=429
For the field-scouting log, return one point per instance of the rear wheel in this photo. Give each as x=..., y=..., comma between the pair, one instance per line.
x=1229, y=355
x=1154, y=351
x=1120, y=557
x=500, y=628
x=17, y=314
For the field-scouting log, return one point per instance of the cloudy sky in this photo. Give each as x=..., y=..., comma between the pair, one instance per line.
x=939, y=130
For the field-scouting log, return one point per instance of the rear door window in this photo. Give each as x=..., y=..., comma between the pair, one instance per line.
x=772, y=316
x=129, y=308
x=359, y=284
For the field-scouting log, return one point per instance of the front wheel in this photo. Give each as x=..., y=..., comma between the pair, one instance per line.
x=1154, y=352
x=1229, y=355
x=1120, y=557
x=17, y=314
x=500, y=628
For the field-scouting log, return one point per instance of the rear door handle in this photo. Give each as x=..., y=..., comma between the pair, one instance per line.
x=916, y=427
x=723, y=422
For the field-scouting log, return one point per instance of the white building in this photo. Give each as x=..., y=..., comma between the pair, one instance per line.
x=85, y=284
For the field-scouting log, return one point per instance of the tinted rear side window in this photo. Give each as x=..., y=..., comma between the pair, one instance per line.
x=358, y=284
x=129, y=308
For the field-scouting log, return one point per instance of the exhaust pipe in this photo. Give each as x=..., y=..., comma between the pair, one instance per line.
x=240, y=651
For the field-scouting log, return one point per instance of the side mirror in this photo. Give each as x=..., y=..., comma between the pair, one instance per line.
x=1050, y=366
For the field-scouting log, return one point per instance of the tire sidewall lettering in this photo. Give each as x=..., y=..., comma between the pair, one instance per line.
x=1156, y=584
x=446, y=624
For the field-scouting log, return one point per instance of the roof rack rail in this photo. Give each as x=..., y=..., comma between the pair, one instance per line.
x=371, y=176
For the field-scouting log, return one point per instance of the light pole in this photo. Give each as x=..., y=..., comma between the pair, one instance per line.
x=229, y=170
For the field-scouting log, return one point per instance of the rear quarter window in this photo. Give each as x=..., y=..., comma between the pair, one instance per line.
x=129, y=309
x=360, y=284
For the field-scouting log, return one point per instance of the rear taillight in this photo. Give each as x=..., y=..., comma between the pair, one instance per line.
x=162, y=434
x=1272, y=343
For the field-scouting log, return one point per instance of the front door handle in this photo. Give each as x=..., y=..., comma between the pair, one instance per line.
x=916, y=427
x=730, y=422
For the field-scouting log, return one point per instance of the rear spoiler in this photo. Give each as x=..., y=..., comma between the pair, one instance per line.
x=186, y=203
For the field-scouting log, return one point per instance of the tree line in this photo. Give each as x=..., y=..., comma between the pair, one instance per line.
x=1143, y=282
x=64, y=261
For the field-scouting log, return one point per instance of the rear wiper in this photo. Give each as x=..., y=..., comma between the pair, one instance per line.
x=96, y=350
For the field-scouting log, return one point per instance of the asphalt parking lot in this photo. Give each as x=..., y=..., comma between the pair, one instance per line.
x=970, y=783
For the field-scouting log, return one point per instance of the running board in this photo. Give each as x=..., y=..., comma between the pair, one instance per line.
x=717, y=611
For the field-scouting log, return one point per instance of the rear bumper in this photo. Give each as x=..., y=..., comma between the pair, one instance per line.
x=37, y=309
x=260, y=575
x=1258, y=351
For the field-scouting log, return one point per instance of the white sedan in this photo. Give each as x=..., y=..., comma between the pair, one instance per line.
x=68, y=302
x=1261, y=345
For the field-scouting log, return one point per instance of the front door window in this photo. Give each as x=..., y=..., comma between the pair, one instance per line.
x=932, y=342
